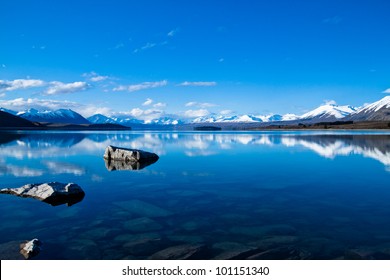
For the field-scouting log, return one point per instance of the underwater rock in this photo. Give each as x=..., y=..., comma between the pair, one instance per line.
x=194, y=239
x=53, y=193
x=143, y=246
x=84, y=249
x=179, y=252
x=142, y=225
x=268, y=230
x=127, y=159
x=231, y=250
x=142, y=208
x=366, y=254
x=30, y=248
x=282, y=253
x=274, y=241
x=10, y=251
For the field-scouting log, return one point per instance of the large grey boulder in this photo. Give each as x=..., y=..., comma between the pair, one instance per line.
x=54, y=193
x=127, y=159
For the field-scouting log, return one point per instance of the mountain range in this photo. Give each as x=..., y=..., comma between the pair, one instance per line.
x=58, y=116
x=377, y=111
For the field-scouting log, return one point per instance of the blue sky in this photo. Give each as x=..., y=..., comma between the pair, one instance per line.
x=151, y=58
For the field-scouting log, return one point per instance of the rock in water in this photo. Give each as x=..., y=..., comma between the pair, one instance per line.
x=127, y=159
x=30, y=248
x=54, y=193
x=179, y=252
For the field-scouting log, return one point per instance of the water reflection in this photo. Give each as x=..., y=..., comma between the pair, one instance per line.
x=50, y=145
x=113, y=165
x=241, y=195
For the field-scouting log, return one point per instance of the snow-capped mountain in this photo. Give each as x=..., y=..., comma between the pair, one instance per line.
x=227, y=119
x=100, y=119
x=290, y=117
x=165, y=121
x=328, y=112
x=58, y=116
x=245, y=118
x=128, y=120
x=377, y=111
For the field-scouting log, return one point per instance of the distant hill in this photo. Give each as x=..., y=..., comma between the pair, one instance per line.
x=8, y=120
x=58, y=116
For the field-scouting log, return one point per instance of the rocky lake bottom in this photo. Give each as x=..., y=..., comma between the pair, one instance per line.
x=211, y=195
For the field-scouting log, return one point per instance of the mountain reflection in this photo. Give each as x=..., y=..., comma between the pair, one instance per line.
x=50, y=145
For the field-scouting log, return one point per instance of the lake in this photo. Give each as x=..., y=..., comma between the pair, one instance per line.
x=211, y=195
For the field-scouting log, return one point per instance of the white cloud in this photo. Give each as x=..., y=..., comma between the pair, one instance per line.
x=64, y=168
x=119, y=46
x=150, y=102
x=99, y=78
x=387, y=91
x=136, y=112
x=199, y=104
x=159, y=105
x=145, y=47
x=95, y=77
x=226, y=112
x=19, y=171
x=198, y=84
x=148, y=46
x=147, y=102
x=21, y=104
x=330, y=102
x=332, y=20
x=145, y=85
x=145, y=115
x=173, y=32
x=20, y=84
x=43, y=47
x=196, y=113
x=89, y=110
x=62, y=88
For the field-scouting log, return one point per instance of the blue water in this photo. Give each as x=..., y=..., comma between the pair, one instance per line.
x=260, y=195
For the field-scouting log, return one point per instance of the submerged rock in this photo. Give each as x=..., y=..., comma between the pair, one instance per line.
x=10, y=251
x=231, y=250
x=53, y=193
x=127, y=159
x=180, y=252
x=142, y=208
x=30, y=248
x=366, y=254
x=143, y=224
x=143, y=246
x=282, y=253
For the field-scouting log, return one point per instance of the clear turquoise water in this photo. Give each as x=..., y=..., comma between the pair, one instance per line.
x=261, y=195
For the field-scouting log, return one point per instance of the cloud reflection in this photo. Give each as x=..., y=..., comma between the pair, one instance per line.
x=50, y=145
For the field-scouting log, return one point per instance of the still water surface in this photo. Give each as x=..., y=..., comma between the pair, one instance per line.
x=260, y=195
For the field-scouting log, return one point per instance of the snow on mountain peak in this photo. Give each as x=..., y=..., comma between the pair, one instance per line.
x=376, y=106
x=329, y=111
x=57, y=116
